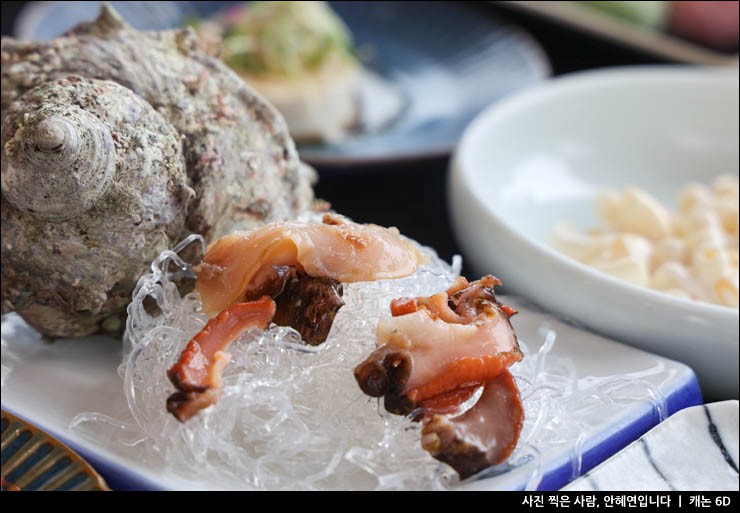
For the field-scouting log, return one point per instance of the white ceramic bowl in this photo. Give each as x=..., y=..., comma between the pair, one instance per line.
x=539, y=157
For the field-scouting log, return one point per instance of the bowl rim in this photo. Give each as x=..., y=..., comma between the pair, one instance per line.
x=500, y=113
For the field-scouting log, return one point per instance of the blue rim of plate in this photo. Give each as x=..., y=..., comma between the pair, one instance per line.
x=450, y=63
x=34, y=460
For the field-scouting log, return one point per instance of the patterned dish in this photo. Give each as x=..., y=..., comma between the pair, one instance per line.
x=707, y=459
x=33, y=460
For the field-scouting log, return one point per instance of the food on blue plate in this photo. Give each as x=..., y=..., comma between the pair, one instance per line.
x=443, y=359
x=690, y=253
x=115, y=144
x=299, y=56
x=290, y=273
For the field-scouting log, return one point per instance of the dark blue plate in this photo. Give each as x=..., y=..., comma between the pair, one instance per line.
x=443, y=61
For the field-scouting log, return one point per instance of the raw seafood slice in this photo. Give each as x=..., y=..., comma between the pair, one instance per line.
x=301, y=266
x=443, y=359
x=337, y=249
x=440, y=343
x=484, y=435
x=197, y=373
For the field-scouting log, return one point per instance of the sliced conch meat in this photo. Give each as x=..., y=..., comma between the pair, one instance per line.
x=444, y=359
x=197, y=373
x=289, y=273
x=238, y=264
x=482, y=436
x=439, y=343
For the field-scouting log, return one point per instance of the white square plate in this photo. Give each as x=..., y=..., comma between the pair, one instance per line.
x=610, y=395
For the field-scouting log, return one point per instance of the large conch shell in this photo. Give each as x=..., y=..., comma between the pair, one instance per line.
x=117, y=143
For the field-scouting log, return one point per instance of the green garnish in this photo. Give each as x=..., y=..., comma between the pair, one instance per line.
x=285, y=38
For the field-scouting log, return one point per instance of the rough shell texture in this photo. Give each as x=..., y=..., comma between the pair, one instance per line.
x=240, y=159
x=237, y=154
x=65, y=277
x=55, y=153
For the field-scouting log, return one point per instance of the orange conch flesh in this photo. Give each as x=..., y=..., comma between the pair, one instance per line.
x=197, y=372
x=465, y=372
x=444, y=359
x=198, y=366
x=484, y=435
x=338, y=249
x=448, y=403
x=448, y=355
